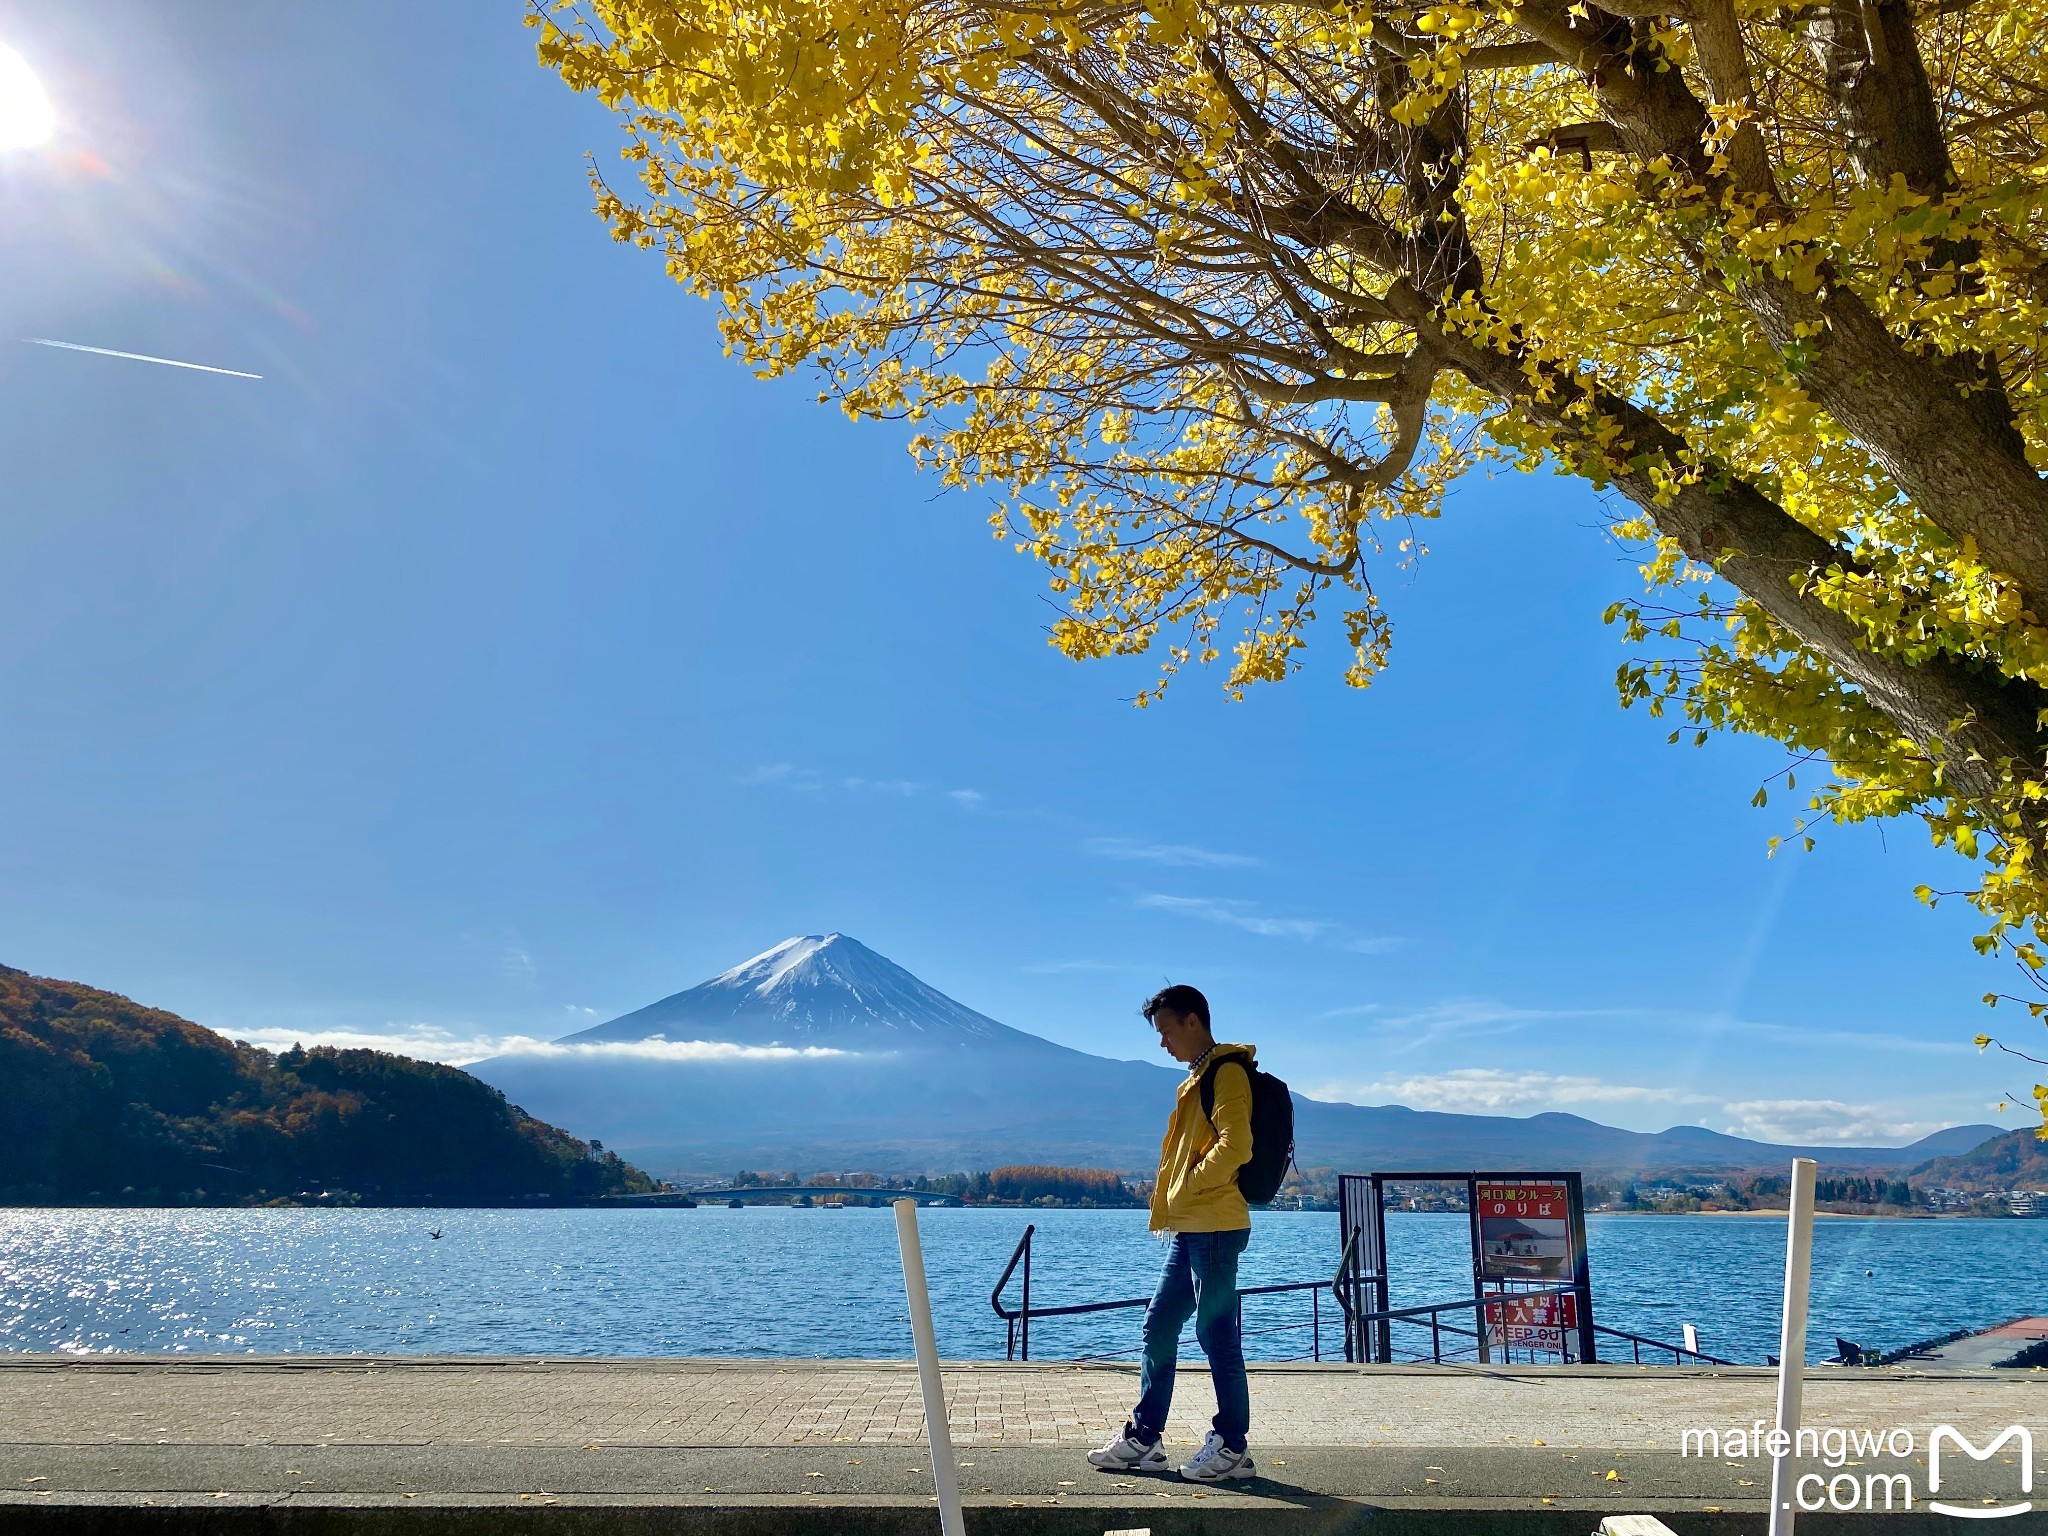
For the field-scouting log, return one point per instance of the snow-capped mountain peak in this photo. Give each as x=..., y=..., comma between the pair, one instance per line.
x=806, y=960
x=813, y=989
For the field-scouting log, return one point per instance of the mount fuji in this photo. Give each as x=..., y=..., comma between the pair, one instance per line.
x=821, y=1053
x=828, y=991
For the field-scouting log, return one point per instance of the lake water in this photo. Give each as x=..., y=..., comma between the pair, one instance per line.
x=777, y=1281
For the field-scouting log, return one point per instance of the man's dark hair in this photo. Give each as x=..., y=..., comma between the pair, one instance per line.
x=1179, y=998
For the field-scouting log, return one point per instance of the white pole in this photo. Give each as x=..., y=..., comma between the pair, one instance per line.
x=1792, y=1341
x=945, y=1474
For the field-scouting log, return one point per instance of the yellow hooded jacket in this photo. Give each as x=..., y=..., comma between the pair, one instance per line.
x=1198, y=1161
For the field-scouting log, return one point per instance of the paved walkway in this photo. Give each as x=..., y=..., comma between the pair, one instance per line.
x=1994, y=1346
x=271, y=1433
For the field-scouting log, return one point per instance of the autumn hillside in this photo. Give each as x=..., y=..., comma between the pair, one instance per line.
x=106, y=1100
x=2016, y=1160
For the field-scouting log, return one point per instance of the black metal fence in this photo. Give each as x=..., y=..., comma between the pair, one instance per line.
x=1017, y=1320
x=1368, y=1334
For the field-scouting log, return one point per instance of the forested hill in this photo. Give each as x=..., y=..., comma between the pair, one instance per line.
x=105, y=1100
x=2016, y=1160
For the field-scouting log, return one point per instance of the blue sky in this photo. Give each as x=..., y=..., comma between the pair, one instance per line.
x=505, y=659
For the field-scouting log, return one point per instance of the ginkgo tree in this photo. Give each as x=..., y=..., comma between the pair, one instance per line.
x=1218, y=297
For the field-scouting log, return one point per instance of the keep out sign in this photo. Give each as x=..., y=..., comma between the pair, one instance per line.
x=1547, y=1323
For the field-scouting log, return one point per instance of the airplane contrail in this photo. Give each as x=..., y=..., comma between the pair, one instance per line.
x=139, y=357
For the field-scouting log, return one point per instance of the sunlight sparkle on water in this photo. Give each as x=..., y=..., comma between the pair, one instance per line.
x=26, y=118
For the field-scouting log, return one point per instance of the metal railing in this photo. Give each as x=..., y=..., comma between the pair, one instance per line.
x=1360, y=1325
x=1680, y=1355
x=1023, y=1313
x=1373, y=1327
x=1017, y=1321
x=1496, y=1353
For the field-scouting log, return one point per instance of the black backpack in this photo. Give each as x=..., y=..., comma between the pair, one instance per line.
x=1272, y=1129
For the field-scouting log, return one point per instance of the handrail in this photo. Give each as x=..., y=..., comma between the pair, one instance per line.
x=1678, y=1351
x=1437, y=1326
x=1637, y=1341
x=1017, y=1321
x=1022, y=1252
x=995, y=1297
x=1145, y=1301
x=1344, y=1264
x=1471, y=1303
x=1340, y=1287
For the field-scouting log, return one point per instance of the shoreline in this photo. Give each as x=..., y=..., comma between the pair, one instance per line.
x=682, y=1203
x=1777, y=1212
x=1780, y=1213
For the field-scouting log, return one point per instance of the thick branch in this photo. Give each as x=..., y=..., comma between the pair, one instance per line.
x=1869, y=53
x=1508, y=56
x=1871, y=56
x=1940, y=432
x=1383, y=388
x=1718, y=38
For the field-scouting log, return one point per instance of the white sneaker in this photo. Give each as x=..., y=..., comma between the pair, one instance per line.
x=1215, y=1461
x=1123, y=1454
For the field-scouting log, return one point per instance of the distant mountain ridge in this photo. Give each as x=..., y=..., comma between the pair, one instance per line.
x=927, y=1084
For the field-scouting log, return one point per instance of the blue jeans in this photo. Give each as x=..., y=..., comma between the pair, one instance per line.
x=1200, y=1282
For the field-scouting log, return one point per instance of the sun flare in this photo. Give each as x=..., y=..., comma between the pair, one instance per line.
x=25, y=116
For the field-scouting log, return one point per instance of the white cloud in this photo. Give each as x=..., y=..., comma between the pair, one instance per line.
x=903, y=789
x=811, y=781
x=1489, y=1090
x=1465, y=1018
x=1823, y=1122
x=1859, y=1039
x=1461, y=1018
x=517, y=966
x=425, y=1042
x=1244, y=915
x=1069, y=967
x=665, y=1050
x=1238, y=914
x=1180, y=855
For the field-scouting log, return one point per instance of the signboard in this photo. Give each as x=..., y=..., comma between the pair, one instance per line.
x=1528, y=1237
x=1524, y=1230
x=1548, y=1323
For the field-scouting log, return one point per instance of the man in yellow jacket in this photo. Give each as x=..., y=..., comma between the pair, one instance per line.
x=1197, y=1203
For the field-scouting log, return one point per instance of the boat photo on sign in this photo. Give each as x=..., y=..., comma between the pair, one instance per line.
x=1524, y=1232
